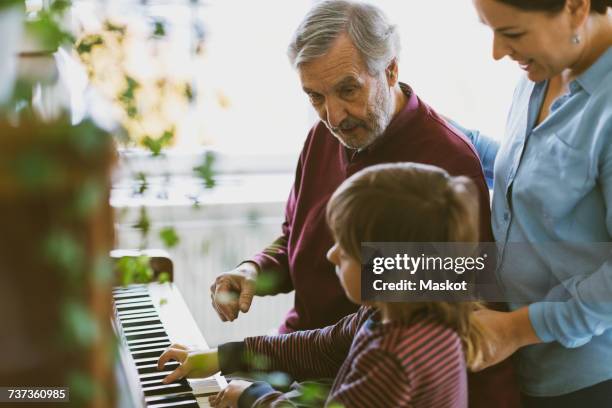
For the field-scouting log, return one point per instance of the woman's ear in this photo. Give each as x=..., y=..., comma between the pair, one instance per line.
x=579, y=11
x=391, y=72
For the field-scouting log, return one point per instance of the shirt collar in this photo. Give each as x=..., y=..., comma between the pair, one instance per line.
x=593, y=77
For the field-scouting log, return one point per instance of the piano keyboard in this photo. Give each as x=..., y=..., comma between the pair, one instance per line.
x=148, y=318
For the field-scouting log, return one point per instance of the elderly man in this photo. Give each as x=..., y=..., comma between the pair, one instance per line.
x=346, y=55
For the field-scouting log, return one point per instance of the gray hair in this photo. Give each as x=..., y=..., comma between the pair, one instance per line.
x=376, y=39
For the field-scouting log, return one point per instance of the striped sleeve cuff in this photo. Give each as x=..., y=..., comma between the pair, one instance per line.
x=231, y=357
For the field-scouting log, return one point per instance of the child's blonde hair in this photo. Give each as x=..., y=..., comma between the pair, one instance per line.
x=409, y=202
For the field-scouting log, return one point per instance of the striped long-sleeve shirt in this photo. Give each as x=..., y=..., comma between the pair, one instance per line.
x=374, y=364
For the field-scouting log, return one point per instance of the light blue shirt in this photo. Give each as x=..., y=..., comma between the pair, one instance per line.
x=553, y=184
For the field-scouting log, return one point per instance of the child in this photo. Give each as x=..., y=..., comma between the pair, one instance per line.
x=385, y=354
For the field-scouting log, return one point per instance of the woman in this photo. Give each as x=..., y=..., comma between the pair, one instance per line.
x=552, y=191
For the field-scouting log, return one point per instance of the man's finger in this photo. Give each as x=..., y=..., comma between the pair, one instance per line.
x=214, y=399
x=221, y=316
x=175, y=375
x=226, y=300
x=246, y=295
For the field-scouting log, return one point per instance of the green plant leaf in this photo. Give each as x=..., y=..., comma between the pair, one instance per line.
x=81, y=327
x=206, y=171
x=85, y=45
x=64, y=251
x=169, y=237
x=159, y=28
x=135, y=270
x=163, y=277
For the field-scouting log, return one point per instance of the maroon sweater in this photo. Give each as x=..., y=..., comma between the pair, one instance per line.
x=373, y=364
x=296, y=260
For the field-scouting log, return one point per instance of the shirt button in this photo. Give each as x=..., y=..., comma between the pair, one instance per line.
x=574, y=87
x=506, y=216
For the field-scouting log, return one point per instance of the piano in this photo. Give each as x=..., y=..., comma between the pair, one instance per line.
x=147, y=319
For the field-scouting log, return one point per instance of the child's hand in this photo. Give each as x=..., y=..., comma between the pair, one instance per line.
x=228, y=398
x=194, y=363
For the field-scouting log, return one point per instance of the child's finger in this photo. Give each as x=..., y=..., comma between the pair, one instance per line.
x=215, y=400
x=170, y=354
x=175, y=375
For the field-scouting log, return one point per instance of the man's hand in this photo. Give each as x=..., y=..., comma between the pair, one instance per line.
x=194, y=363
x=233, y=291
x=228, y=397
x=505, y=332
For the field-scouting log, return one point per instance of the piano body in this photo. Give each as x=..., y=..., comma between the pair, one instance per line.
x=147, y=319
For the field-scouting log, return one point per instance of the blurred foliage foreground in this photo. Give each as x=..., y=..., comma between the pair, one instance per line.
x=57, y=232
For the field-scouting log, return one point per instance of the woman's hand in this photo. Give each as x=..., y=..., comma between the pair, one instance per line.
x=194, y=363
x=228, y=398
x=505, y=333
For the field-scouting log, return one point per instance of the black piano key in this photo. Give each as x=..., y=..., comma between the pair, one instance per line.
x=137, y=325
x=165, y=389
x=149, y=346
x=159, y=339
x=148, y=353
x=140, y=320
x=146, y=334
x=152, y=368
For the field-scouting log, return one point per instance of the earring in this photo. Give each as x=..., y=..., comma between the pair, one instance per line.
x=576, y=39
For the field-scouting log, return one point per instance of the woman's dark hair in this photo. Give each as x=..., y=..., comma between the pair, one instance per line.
x=554, y=6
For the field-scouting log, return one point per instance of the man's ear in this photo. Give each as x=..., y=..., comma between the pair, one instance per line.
x=391, y=73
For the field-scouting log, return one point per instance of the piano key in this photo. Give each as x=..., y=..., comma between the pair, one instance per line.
x=135, y=324
x=132, y=291
x=134, y=329
x=165, y=389
x=134, y=306
x=182, y=404
x=124, y=313
x=150, y=340
x=156, y=352
x=203, y=402
x=153, y=379
x=138, y=318
x=148, y=376
x=149, y=346
x=131, y=295
x=145, y=361
x=167, y=401
x=145, y=334
x=139, y=299
x=152, y=368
